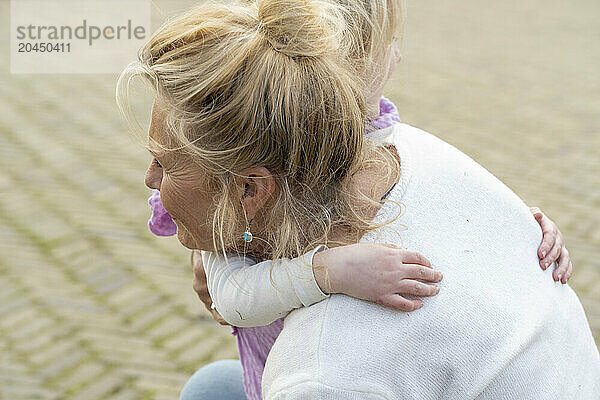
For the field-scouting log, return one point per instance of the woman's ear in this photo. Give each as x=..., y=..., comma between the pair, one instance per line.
x=257, y=187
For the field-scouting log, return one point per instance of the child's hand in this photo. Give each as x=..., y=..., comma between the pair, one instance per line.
x=553, y=248
x=201, y=288
x=376, y=272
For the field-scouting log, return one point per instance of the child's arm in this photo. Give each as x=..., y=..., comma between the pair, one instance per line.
x=353, y=270
x=244, y=295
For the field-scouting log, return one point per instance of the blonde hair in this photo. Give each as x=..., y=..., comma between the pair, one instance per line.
x=271, y=83
x=375, y=25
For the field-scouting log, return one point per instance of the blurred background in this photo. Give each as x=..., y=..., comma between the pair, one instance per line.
x=93, y=306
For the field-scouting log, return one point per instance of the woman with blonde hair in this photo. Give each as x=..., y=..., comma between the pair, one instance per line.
x=259, y=117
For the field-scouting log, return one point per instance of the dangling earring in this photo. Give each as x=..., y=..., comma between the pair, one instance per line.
x=247, y=236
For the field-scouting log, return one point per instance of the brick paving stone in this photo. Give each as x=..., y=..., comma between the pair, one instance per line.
x=153, y=359
x=7, y=292
x=99, y=275
x=60, y=364
x=141, y=304
x=71, y=247
x=153, y=386
x=167, y=327
x=62, y=304
x=83, y=374
x=104, y=386
x=184, y=338
x=55, y=349
x=41, y=341
x=13, y=306
x=85, y=320
x=112, y=336
x=165, y=396
x=17, y=382
x=128, y=393
x=200, y=349
x=36, y=327
x=151, y=381
x=142, y=320
x=28, y=393
x=113, y=285
x=129, y=352
x=17, y=378
x=16, y=318
x=159, y=374
x=127, y=294
x=8, y=366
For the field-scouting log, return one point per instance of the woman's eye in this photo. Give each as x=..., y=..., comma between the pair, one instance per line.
x=157, y=163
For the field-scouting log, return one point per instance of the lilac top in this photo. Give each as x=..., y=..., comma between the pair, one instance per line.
x=160, y=223
x=388, y=115
x=255, y=343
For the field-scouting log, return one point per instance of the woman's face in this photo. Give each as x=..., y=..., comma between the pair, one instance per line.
x=392, y=58
x=180, y=183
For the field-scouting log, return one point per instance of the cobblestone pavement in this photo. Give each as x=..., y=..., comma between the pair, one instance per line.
x=93, y=306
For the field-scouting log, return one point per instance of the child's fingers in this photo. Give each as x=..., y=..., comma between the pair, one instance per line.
x=552, y=256
x=400, y=303
x=562, y=267
x=412, y=257
x=413, y=271
x=548, y=236
x=548, y=231
x=416, y=288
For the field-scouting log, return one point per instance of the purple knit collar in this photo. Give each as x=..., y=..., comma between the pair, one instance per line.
x=388, y=116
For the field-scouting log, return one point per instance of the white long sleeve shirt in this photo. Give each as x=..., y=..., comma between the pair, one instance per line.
x=500, y=327
x=248, y=294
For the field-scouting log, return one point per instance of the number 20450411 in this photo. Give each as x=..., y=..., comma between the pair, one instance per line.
x=44, y=47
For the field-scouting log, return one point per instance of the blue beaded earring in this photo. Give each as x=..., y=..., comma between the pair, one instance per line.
x=247, y=236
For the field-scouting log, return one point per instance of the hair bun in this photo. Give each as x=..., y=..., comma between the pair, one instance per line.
x=300, y=28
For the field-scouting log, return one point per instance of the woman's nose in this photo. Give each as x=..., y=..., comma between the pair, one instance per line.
x=153, y=176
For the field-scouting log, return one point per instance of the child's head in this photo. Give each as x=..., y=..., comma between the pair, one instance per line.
x=376, y=28
x=267, y=84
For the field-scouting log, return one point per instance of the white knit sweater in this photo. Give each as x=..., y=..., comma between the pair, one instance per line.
x=500, y=327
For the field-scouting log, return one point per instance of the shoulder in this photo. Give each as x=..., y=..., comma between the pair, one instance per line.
x=428, y=151
x=417, y=138
x=411, y=140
